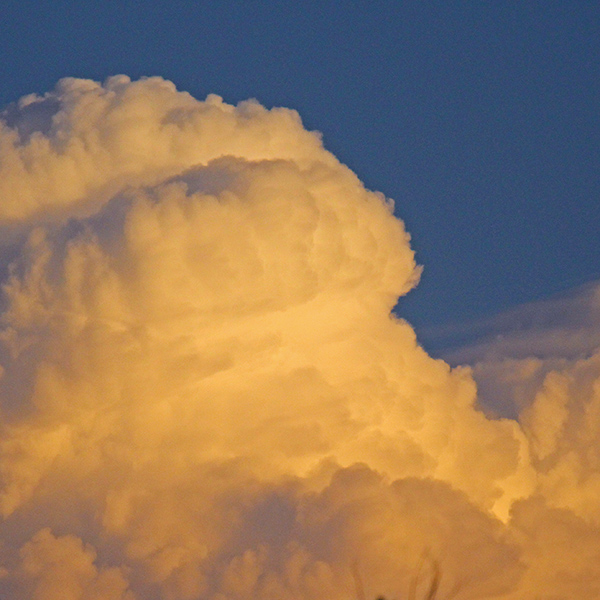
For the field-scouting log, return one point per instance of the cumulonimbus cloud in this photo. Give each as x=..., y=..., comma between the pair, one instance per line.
x=204, y=393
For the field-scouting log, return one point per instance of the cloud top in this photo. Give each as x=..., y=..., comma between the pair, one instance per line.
x=83, y=140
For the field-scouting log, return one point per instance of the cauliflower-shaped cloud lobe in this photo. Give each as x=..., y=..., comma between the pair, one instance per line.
x=204, y=393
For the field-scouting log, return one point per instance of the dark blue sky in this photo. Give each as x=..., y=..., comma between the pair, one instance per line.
x=480, y=119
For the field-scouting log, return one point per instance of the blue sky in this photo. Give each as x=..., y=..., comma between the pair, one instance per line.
x=479, y=119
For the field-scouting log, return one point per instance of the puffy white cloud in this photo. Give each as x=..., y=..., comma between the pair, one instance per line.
x=54, y=568
x=541, y=362
x=83, y=141
x=203, y=392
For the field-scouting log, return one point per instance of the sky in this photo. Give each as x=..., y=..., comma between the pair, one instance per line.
x=479, y=119
x=299, y=301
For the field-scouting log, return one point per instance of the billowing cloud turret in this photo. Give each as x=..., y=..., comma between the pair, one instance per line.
x=203, y=391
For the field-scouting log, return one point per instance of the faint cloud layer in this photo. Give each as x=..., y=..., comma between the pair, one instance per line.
x=566, y=326
x=512, y=353
x=204, y=393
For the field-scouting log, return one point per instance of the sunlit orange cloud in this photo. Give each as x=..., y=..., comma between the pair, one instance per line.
x=205, y=395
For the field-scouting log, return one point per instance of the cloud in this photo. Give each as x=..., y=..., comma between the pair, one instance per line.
x=513, y=352
x=203, y=391
x=77, y=145
x=61, y=568
x=566, y=326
